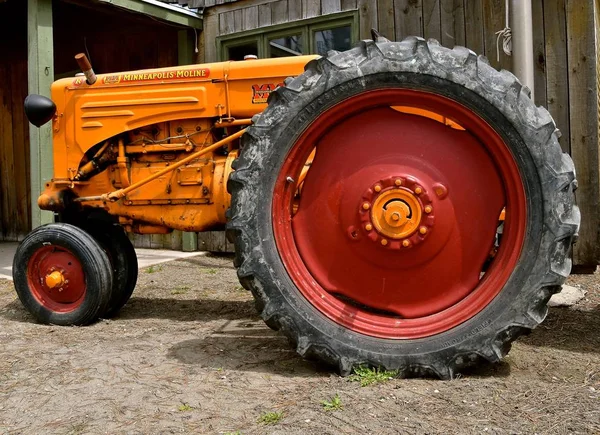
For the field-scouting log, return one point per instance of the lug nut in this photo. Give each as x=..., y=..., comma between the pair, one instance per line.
x=368, y=227
x=418, y=190
x=377, y=188
x=428, y=209
x=406, y=243
x=366, y=206
x=398, y=182
x=423, y=230
x=384, y=242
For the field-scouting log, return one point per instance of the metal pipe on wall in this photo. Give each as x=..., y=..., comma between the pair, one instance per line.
x=522, y=41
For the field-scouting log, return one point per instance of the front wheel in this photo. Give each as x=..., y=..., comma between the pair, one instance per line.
x=367, y=202
x=62, y=276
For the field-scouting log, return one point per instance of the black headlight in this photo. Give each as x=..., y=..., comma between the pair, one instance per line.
x=39, y=109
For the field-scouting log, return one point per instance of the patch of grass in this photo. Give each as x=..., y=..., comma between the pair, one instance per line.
x=77, y=428
x=335, y=404
x=237, y=432
x=180, y=290
x=154, y=268
x=210, y=271
x=270, y=417
x=368, y=376
x=240, y=288
x=184, y=407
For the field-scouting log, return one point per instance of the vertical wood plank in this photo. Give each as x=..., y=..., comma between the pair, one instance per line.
x=367, y=10
x=279, y=12
x=226, y=23
x=408, y=16
x=539, y=53
x=432, y=27
x=493, y=21
x=557, y=82
x=250, y=19
x=19, y=141
x=7, y=176
x=385, y=18
x=189, y=241
x=203, y=241
x=175, y=241
x=348, y=5
x=264, y=15
x=452, y=22
x=583, y=95
x=311, y=8
x=294, y=10
x=330, y=6
x=209, y=36
x=237, y=20
x=474, y=32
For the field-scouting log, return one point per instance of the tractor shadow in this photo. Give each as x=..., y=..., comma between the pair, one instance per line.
x=186, y=310
x=568, y=329
x=247, y=346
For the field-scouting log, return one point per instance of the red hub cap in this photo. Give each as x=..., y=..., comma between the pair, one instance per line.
x=398, y=214
x=56, y=279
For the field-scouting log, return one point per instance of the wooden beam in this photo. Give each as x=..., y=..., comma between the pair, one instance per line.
x=583, y=103
x=40, y=76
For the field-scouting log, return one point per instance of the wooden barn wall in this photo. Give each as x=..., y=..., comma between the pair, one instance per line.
x=564, y=55
x=15, y=206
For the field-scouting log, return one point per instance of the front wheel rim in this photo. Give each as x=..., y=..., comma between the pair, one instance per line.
x=56, y=279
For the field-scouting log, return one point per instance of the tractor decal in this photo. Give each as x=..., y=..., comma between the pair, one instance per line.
x=260, y=93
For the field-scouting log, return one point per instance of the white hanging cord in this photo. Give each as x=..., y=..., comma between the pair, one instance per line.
x=506, y=36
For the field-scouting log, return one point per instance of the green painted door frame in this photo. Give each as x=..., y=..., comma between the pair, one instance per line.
x=40, y=75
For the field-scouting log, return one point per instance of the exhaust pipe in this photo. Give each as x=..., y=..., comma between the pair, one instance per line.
x=86, y=67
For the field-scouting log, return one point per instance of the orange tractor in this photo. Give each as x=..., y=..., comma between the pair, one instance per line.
x=362, y=190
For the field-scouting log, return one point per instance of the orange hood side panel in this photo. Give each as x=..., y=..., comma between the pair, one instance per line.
x=119, y=102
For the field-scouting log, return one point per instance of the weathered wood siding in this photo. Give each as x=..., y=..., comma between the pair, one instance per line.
x=15, y=205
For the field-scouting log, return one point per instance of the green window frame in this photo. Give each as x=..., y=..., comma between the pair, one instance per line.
x=307, y=29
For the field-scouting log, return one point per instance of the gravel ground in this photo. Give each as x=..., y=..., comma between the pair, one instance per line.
x=188, y=354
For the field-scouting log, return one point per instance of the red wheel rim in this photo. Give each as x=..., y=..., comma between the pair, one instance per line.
x=417, y=285
x=56, y=279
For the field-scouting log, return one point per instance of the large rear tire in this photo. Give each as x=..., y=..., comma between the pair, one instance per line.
x=62, y=275
x=382, y=258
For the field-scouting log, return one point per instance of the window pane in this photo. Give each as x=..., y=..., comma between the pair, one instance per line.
x=333, y=39
x=237, y=52
x=285, y=46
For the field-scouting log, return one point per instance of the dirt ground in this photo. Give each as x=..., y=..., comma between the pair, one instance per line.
x=188, y=354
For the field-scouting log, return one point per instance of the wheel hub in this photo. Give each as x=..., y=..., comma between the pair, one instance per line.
x=55, y=279
x=397, y=212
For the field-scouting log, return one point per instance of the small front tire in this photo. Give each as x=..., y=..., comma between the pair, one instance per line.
x=62, y=275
